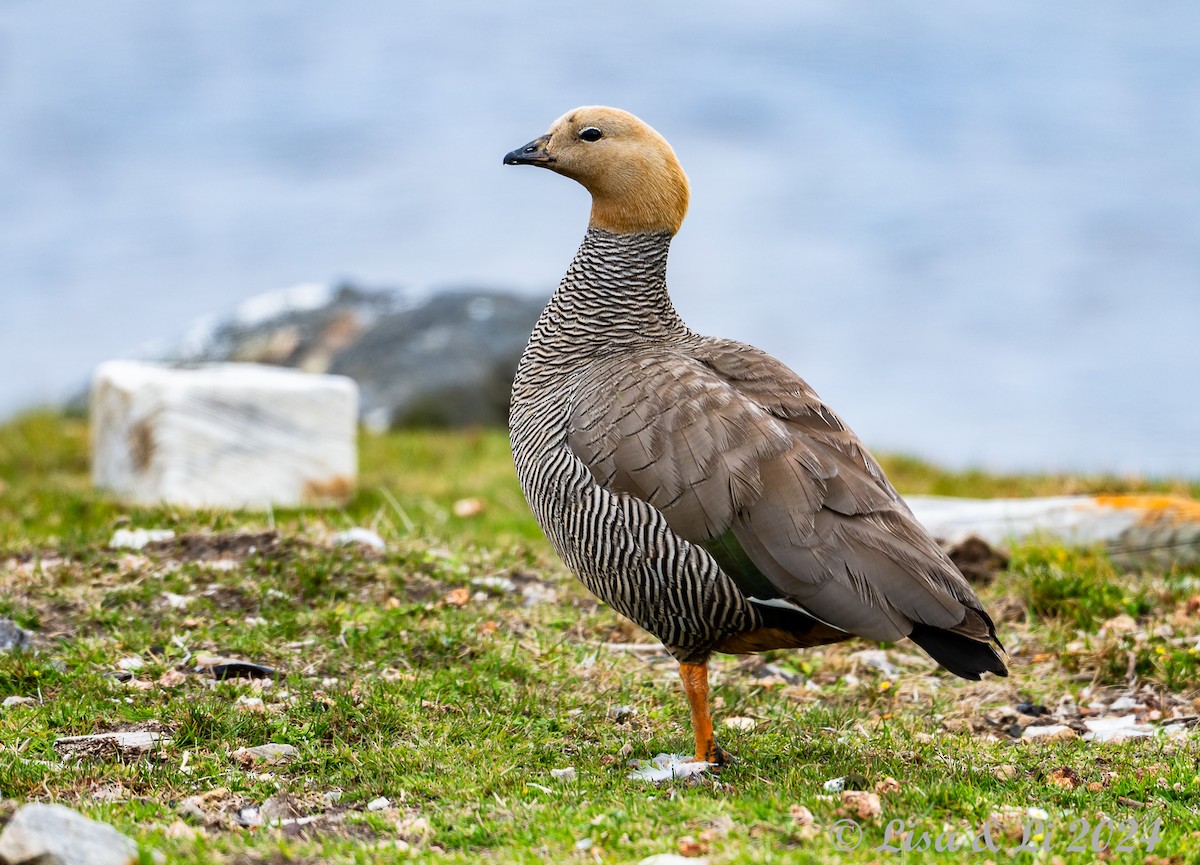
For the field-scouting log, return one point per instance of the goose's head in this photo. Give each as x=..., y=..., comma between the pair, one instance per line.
x=636, y=182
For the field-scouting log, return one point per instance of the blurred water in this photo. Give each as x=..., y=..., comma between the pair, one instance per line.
x=974, y=228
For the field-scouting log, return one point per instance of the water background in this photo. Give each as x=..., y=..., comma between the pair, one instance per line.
x=974, y=228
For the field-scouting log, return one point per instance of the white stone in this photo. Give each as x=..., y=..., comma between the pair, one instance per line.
x=667, y=767
x=1069, y=519
x=565, y=775
x=746, y=725
x=136, y=539
x=131, y=742
x=1115, y=729
x=1038, y=731
x=56, y=835
x=223, y=435
x=362, y=537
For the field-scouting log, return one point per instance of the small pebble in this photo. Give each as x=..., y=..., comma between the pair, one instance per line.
x=135, y=539
x=743, y=724
x=270, y=754
x=250, y=816
x=12, y=636
x=464, y=508
x=360, y=536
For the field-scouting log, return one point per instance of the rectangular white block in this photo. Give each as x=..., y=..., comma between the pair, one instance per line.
x=223, y=435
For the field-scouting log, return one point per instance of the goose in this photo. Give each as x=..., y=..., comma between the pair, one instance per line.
x=696, y=485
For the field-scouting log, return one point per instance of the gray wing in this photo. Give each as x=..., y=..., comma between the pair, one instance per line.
x=735, y=449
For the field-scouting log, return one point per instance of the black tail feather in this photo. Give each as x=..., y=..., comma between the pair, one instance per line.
x=961, y=655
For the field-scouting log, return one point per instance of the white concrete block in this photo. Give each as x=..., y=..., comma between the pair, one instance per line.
x=223, y=435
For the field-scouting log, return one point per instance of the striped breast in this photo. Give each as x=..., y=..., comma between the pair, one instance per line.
x=611, y=306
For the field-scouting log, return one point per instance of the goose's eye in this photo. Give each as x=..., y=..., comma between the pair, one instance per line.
x=590, y=133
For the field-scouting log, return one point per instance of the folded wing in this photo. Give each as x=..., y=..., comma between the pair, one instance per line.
x=742, y=457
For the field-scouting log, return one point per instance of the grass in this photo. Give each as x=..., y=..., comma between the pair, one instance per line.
x=455, y=672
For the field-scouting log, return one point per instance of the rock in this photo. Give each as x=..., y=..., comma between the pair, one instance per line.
x=1004, y=772
x=221, y=668
x=130, y=743
x=1138, y=530
x=13, y=637
x=56, y=835
x=1124, y=704
x=621, y=714
x=447, y=359
x=667, y=767
x=135, y=539
x=250, y=817
x=564, y=776
x=466, y=508
x=225, y=436
x=303, y=326
x=746, y=725
x=1115, y=729
x=271, y=754
x=205, y=807
x=877, y=659
x=361, y=537
x=1118, y=626
x=282, y=807
x=500, y=585
x=1049, y=732
x=978, y=561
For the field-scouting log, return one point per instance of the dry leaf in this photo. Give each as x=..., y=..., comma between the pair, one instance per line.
x=887, y=785
x=1122, y=624
x=865, y=805
x=171, y=679
x=802, y=816
x=690, y=847
x=459, y=597
x=1064, y=777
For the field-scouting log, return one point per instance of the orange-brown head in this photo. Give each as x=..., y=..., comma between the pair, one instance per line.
x=636, y=182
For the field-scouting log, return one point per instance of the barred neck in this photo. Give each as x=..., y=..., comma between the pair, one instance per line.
x=614, y=293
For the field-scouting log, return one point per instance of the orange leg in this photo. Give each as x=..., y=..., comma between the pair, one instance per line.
x=695, y=685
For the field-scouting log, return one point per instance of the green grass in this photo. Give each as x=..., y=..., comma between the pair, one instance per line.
x=401, y=678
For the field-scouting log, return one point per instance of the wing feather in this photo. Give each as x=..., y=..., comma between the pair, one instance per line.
x=728, y=443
